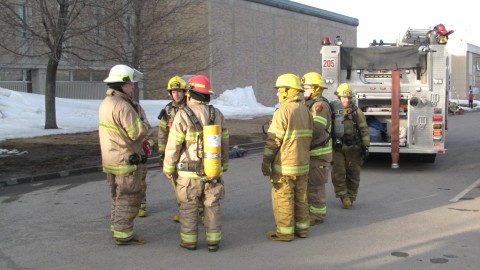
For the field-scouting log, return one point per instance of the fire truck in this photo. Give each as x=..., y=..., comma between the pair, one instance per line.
x=402, y=88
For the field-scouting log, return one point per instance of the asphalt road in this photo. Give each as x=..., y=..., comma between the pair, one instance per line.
x=420, y=216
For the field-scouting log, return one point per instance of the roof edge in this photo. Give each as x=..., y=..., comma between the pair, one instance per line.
x=308, y=10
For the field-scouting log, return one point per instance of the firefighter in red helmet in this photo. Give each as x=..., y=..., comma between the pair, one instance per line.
x=186, y=155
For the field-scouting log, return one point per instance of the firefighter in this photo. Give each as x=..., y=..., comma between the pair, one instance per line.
x=176, y=91
x=321, y=148
x=185, y=155
x=122, y=130
x=350, y=149
x=148, y=144
x=286, y=160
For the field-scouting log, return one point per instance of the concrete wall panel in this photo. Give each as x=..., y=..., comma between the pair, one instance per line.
x=257, y=43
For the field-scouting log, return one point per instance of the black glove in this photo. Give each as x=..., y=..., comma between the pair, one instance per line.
x=160, y=160
x=337, y=145
x=365, y=153
x=266, y=168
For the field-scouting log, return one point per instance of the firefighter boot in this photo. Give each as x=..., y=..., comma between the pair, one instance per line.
x=176, y=218
x=142, y=212
x=316, y=219
x=213, y=247
x=346, y=203
x=134, y=241
x=189, y=246
x=301, y=233
x=275, y=236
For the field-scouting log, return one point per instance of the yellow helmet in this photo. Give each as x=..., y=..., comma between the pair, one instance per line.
x=313, y=78
x=176, y=82
x=344, y=90
x=288, y=81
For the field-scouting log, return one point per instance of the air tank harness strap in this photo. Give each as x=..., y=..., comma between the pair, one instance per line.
x=187, y=166
x=198, y=126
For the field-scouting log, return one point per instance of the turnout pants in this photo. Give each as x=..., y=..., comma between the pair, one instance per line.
x=143, y=204
x=192, y=194
x=317, y=195
x=346, y=172
x=289, y=201
x=126, y=198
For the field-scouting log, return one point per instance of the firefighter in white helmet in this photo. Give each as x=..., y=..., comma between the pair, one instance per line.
x=350, y=149
x=286, y=160
x=321, y=149
x=122, y=130
x=186, y=154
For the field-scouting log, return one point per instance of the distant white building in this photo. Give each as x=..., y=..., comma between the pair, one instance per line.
x=465, y=70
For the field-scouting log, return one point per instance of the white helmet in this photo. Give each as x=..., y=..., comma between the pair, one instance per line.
x=123, y=73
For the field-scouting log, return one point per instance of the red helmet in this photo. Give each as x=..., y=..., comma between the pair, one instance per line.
x=200, y=84
x=441, y=30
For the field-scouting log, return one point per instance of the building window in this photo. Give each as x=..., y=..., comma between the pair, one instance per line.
x=99, y=76
x=81, y=75
x=22, y=13
x=11, y=75
x=63, y=76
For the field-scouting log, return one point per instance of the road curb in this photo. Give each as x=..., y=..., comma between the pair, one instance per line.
x=151, y=163
x=57, y=175
x=48, y=176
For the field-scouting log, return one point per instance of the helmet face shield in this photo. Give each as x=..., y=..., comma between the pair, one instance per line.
x=314, y=79
x=174, y=85
x=344, y=90
x=176, y=82
x=136, y=76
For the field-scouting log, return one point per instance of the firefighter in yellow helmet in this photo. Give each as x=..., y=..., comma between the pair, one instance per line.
x=286, y=160
x=321, y=149
x=176, y=91
x=122, y=130
x=350, y=148
x=186, y=154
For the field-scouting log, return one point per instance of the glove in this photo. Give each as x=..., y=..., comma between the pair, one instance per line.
x=147, y=148
x=171, y=176
x=365, y=153
x=337, y=145
x=266, y=169
x=160, y=161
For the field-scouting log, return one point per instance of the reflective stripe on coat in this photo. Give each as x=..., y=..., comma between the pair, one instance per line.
x=182, y=140
x=289, y=137
x=121, y=132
